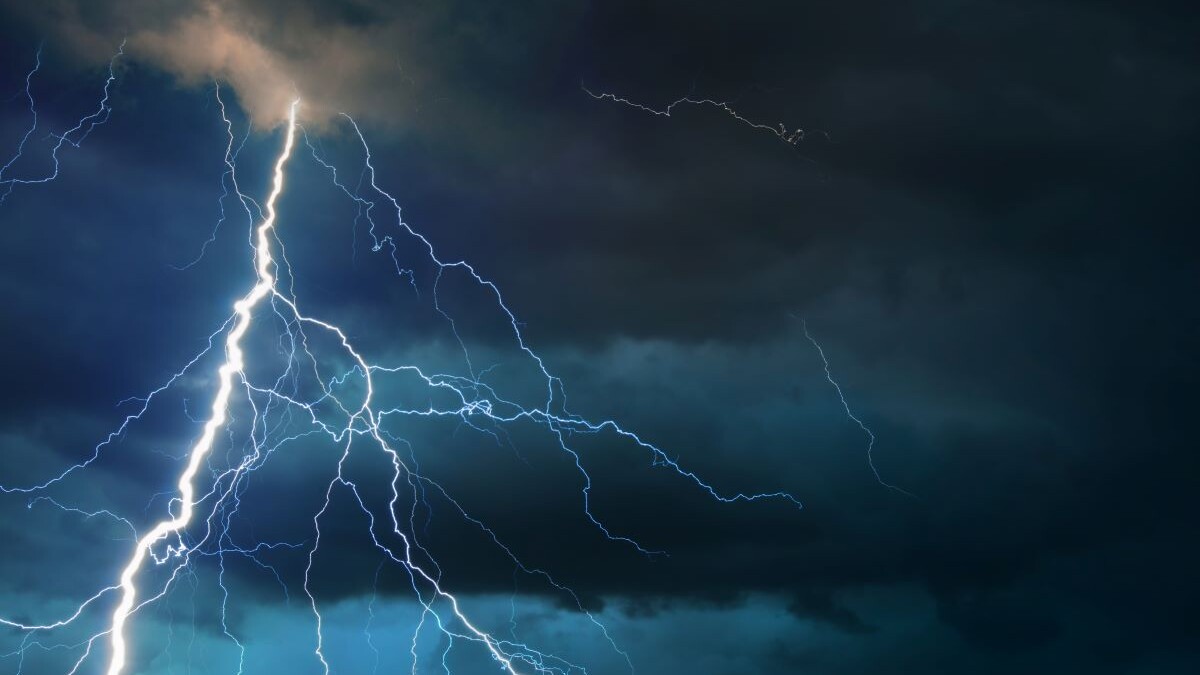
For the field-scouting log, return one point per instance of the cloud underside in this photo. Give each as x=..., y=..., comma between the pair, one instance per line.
x=367, y=59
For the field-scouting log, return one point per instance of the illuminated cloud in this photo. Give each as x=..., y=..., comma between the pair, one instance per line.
x=355, y=57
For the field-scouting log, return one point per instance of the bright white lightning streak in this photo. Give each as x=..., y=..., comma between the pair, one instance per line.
x=234, y=363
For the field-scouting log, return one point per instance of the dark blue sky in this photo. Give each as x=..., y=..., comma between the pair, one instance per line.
x=994, y=245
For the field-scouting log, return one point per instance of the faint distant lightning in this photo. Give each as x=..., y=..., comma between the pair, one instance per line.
x=73, y=136
x=791, y=136
x=228, y=180
x=849, y=413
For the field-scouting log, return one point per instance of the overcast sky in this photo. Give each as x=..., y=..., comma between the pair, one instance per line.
x=988, y=227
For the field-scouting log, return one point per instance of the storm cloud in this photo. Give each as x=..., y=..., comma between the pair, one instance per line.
x=373, y=60
x=995, y=246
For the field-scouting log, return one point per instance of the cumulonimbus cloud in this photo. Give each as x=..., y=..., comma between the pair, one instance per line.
x=269, y=52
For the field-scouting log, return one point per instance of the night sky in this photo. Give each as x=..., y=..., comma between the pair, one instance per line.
x=988, y=228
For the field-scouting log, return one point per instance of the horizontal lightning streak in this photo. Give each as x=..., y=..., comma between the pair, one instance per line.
x=781, y=131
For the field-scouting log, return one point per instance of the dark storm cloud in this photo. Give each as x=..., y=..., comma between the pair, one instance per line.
x=995, y=249
x=823, y=607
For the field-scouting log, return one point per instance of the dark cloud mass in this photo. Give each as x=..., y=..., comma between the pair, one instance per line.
x=994, y=243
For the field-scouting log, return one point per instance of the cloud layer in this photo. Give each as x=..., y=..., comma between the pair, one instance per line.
x=374, y=60
x=997, y=252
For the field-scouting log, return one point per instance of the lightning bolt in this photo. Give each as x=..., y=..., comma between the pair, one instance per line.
x=73, y=137
x=850, y=413
x=790, y=135
x=234, y=363
x=275, y=408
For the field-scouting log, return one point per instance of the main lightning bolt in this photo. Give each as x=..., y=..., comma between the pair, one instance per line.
x=476, y=403
x=234, y=364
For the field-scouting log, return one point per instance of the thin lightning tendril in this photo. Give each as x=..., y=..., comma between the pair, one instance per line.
x=850, y=413
x=73, y=137
x=791, y=136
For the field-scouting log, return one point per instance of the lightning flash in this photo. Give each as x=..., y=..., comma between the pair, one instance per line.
x=789, y=135
x=71, y=137
x=345, y=404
